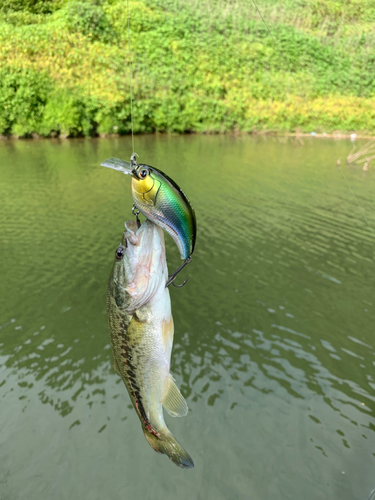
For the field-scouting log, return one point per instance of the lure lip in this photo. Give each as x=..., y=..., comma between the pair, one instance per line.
x=121, y=165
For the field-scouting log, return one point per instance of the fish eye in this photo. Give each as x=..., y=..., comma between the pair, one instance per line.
x=143, y=173
x=120, y=252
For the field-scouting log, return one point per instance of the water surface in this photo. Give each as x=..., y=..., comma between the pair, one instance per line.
x=274, y=332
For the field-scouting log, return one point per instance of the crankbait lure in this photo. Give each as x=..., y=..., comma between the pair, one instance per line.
x=163, y=202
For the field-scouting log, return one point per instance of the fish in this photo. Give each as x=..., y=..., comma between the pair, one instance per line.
x=162, y=201
x=141, y=334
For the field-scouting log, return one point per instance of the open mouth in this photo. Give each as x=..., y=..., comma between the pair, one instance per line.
x=142, y=236
x=145, y=265
x=130, y=233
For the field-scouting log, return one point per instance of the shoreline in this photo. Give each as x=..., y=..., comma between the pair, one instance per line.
x=318, y=135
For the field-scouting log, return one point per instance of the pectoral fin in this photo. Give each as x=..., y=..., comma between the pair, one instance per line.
x=174, y=401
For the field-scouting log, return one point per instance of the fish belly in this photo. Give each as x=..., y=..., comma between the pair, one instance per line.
x=141, y=345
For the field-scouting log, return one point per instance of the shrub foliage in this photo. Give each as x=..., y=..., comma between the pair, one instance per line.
x=207, y=66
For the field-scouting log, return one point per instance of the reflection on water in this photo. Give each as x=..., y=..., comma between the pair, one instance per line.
x=274, y=344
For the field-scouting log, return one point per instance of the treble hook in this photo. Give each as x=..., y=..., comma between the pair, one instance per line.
x=136, y=212
x=172, y=277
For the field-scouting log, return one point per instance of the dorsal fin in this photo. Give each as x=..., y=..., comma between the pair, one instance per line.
x=173, y=401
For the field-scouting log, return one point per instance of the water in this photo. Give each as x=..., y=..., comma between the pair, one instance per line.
x=274, y=332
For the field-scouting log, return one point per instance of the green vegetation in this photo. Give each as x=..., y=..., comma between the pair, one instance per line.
x=198, y=65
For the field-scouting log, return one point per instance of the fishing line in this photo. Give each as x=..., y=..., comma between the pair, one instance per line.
x=313, y=116
x=130, y=76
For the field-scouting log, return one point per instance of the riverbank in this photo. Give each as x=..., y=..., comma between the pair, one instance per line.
x=203, y=68
x=266, y=133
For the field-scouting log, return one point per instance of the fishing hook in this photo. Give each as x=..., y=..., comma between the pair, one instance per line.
x=136, y=213
x=172, y=277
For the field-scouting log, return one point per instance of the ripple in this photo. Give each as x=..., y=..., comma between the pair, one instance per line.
x=274, y=346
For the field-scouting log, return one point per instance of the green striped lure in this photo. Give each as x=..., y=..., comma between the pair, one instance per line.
x=163, y=202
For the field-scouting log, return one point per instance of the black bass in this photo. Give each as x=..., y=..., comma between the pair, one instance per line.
x=141, y=331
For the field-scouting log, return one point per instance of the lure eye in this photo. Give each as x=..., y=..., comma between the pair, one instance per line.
x=120, y=252
x=143, y=173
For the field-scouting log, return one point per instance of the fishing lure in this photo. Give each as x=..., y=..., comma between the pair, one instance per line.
x=163, y=202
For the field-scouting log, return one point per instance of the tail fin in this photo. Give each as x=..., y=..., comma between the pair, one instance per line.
x=167, y=444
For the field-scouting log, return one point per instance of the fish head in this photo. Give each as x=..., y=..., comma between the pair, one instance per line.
x=140, y=267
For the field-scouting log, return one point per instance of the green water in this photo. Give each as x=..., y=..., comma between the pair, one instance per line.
x=274, y=332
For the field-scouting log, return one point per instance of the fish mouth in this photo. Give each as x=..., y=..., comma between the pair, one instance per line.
x=136, y=234
x=131, y=234
x=145, y=261
x=144, y=244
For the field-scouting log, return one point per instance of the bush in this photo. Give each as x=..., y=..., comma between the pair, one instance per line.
x=89, y=19
x=34, y=6
x=23, y=97
x=210, y=66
